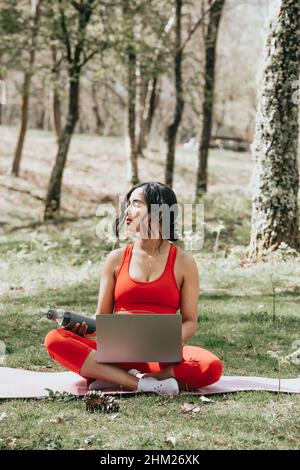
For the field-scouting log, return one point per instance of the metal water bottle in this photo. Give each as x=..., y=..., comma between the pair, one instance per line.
x=68, y=319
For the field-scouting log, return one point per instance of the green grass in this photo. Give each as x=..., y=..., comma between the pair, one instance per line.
x=238, y=328
x=60, y=265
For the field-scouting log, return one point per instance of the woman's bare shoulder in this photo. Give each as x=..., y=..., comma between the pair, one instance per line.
x=114, y=258
x=185, y=260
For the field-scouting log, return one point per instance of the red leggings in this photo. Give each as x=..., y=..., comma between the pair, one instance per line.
x=198, y=368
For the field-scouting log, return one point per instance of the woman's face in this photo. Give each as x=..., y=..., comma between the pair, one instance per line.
x=136, y=212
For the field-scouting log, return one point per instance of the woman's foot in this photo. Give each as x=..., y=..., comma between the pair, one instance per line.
x=100, y=384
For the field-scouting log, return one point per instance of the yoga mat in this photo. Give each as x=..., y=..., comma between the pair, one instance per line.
x=21, y=383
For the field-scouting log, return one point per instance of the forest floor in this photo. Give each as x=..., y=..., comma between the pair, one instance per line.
x=245, y=310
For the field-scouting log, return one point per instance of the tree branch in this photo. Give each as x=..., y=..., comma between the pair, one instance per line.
x=195, y=27
x=65, y=32
x=88, y=57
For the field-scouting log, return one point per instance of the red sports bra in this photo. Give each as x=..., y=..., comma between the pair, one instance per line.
x=160, y=295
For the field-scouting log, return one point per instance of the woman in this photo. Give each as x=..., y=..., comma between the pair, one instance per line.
x=151, y=275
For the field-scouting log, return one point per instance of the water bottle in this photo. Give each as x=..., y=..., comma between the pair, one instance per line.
x=69, y=319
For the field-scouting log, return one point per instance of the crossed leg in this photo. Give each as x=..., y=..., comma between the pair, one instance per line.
x=198, y=368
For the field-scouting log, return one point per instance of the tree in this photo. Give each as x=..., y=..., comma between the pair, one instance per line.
x=150, y=88
x=143, y=33
x=179, y=92
x=129, y=22
x=275, y=217
x=25, y=94
x=70, y=22
x=56, y=95
x=215, y=13
x=179, y=105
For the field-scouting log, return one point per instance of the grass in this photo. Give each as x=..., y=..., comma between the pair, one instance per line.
x=238, y=332
x=60, y=265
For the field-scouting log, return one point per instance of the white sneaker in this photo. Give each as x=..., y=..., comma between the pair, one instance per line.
x=162, y=387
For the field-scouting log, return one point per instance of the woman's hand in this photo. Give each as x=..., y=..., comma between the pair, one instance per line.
x=80, y=329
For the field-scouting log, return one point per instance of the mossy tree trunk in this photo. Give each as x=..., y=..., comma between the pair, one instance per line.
x=275, y=217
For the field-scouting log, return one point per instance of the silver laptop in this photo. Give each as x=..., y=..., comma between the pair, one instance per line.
x=123, y=337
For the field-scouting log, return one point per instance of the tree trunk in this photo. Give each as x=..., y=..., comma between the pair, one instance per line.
x=75, y=64
x=207, y=106
x=150, y=104
x=142, y=85
x=1, y=92
x=98, y=119
x=25, y=95
x=275, y=217
x=132, y=115
x=128, y=18
x=52, y=204
x=56, y=111
x=56, y=95
x=23, y=125
x=173, y=127
x=151, y=93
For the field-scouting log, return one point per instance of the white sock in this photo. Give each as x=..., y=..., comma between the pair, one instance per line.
x=135, y=372
x=162, y=387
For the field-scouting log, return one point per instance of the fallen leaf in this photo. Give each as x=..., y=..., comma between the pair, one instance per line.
x=171, y=440
x=3, y=416
x=57, y=420
x=12, y=442
x=202, y=398
x=190, y=407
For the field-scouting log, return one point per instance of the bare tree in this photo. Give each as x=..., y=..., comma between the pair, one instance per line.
x=179, y=94
x=215, y=13
x=79, y=49
x=179, y=105
x=25, y=94
x=150, y=88
x=128, y=20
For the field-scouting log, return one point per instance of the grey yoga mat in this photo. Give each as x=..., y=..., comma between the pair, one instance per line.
x=21, y=383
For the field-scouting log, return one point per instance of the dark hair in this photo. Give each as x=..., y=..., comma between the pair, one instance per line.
x=155, y=193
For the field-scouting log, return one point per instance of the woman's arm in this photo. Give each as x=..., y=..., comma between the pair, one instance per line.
x=189, y=297
x=106, y=292
x=107, y=284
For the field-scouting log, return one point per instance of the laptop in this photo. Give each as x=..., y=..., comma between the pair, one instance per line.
x=123, y=337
